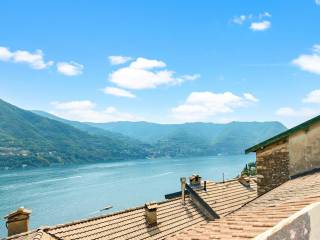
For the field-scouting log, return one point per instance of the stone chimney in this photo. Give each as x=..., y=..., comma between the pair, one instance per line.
x=18, y=221
x=195, y=180
x=151, y=213
x=183, y=181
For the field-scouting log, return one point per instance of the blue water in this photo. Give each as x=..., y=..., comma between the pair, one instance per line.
x=62, y=194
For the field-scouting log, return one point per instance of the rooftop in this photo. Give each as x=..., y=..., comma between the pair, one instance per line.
x=173, y=217
x=260, y=214
x=242, y=214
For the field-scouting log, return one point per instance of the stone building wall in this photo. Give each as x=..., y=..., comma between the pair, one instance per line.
x=272, y=166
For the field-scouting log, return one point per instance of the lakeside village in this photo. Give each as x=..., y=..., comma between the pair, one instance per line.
x=278, y=197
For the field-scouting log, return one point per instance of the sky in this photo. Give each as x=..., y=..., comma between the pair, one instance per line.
x=165, y=61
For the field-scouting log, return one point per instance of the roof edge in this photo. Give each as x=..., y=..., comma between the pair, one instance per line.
x=302, y=126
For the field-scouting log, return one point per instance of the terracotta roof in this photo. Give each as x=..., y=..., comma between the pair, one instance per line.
x=131, y=224
x=38, y=234
x=260, y=214
x=226, y=197
x=173, y=216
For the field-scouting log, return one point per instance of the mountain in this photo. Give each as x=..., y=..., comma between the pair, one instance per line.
x=29, y=139
x=41, y=139
x=196, y=139
x=84, y=127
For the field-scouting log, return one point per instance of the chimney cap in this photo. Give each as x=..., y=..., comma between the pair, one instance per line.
x=195, y=176
x=19, y=211
x=151, y=206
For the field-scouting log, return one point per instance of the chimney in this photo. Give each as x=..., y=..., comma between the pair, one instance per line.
x=151, y=213
x=195, y=180
x=245, y=181
x=183, y=181
x=18, y=221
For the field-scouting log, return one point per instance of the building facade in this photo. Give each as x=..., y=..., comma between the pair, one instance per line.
x=287, y=155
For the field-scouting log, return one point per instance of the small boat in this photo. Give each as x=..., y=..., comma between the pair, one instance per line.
x=106, y=208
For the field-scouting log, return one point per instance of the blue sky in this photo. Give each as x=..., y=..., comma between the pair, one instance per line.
x=163, y=61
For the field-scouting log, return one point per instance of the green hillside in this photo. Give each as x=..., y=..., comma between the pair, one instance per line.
x=27, y=138
x=196, y=139
x=42, y=139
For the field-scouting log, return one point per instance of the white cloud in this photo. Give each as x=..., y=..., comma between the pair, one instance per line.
x=240, y=19
x=260, y=26
x=85, y=111
x=317, y=2
x=5, y=54
x=69, y=68
x=74, y=105
x=302, y=113
x=144, y=63
x=34, y=60
x=202, y=105
x=286, y=111
x=116, y=60
x=145, y=74
x=312, y=97
x=250, y=97
x=118, y=92
x=265, y=15
x=191, y=77
x=256, y=26
x=311, y=62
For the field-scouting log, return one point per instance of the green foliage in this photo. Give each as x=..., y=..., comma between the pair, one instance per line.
x=196, y=139
x=43, y=139
x=27, y=138
x=249, y=169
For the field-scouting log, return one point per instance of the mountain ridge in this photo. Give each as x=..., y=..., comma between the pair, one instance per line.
x=36, y=138
x=194, y=139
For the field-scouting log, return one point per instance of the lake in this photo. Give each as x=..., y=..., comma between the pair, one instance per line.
x=62, y=194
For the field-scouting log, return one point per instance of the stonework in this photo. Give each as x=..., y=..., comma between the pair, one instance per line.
x=272, y=166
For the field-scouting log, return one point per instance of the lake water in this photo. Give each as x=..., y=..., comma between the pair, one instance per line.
x=62, y=194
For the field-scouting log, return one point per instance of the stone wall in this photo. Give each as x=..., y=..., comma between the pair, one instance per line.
x=272, y=166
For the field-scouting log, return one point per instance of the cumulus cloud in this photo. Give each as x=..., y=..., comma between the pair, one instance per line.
x=312, y=97
x=144, y=63
x=250, y=97
x=74, y=105
x=260, y=26
x=257, y=22
x=202, y=105
x=291, y=112
x=191, y=77
x=117, y=60
x=118, y=92
x=35, y=60
x=309, y=62
x=85, y=111
x=70, y=68
x=296, y=115
x=145, y=74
